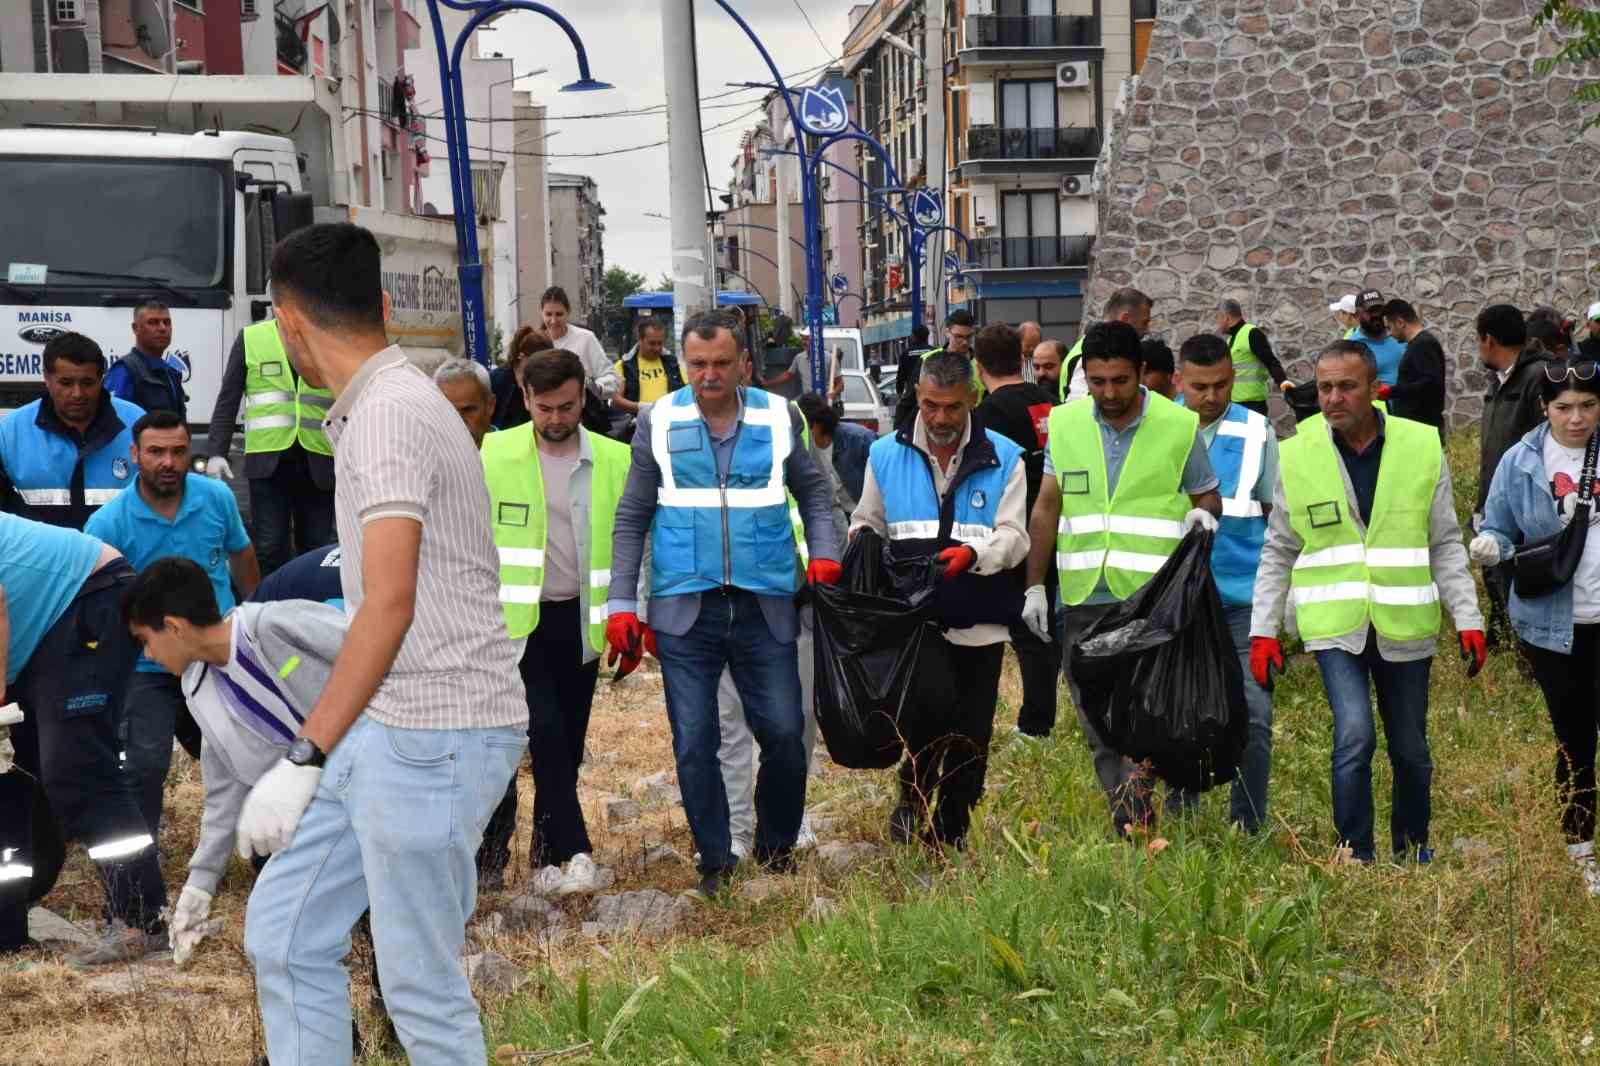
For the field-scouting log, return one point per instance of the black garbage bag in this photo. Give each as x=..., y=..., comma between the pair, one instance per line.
x=870, y=630
x=1160, y=676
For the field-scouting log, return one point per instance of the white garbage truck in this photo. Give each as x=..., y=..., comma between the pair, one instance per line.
x=179, y=189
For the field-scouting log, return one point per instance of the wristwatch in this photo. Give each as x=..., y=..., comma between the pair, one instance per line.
x=305, y=753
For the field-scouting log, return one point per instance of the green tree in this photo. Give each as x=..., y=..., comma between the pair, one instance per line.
x=1582, y=47
x=619, y=283
x=664, y=283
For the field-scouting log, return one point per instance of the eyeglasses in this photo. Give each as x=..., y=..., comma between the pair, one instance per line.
x=1559, y=372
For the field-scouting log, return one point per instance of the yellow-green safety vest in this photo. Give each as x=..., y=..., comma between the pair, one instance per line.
x=977, y=382
x=516, y=500
x=1126, y=535
x=1063, y=383
x=1249, y=373
x=1342, y=580
x=279, y=407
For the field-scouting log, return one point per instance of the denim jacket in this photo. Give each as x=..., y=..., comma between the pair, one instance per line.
x=1519, y=510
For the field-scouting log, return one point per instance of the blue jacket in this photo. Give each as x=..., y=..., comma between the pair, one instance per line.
x=151, y=383
x=851, y=443
x=51, y=474
x=1236, y=456
x=1519, y=509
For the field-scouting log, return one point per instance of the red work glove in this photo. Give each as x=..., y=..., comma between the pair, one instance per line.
x=1474, y=650
x=1265, y=653
x=626, y=635
x=650, y=642
x=824, y=572
x=1383, y=391
x=957, y=560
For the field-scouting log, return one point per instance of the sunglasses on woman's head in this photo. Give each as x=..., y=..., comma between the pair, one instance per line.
x=1558, y=372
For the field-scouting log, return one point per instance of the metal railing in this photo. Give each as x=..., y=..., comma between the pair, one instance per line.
x=1032, y=31
x=998, y=253
x=1014, y=142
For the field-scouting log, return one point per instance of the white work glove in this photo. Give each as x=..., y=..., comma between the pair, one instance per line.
x=217, y=466
x=1484, y=549
x=10, y=715
x=1036, y=612
x=273, y=808
x=1199, y=517
x=187, y=926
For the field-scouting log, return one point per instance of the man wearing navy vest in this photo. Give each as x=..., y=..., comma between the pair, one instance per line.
x=1244, y=456
x=65, y=455
x=713, y=468
x=942, y=485
x=147, y=375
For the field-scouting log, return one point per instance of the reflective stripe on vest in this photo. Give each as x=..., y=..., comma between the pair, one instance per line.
x=1341, y=581
x=1249, y=373
x=279, y=407
x=520, y=523
x=1128, y=534
x=1238, y=451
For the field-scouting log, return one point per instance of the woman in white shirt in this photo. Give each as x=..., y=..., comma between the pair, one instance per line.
x=598, y=369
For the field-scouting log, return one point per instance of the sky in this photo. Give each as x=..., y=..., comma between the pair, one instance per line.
x=624, y=44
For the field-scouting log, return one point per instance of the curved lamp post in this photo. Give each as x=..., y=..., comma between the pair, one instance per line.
x=469, y=269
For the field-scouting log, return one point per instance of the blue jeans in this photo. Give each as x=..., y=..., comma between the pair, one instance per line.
x=1403, y=705
x=393, y=827
x=732, y=632
x=1248, y=801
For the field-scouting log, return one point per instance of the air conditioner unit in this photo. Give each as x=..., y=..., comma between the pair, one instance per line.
x=1071, y=185
x=1072, y=75
x=68, y=12
x=248, y=10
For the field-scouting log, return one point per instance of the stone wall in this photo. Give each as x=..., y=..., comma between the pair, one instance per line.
x=1288, y=152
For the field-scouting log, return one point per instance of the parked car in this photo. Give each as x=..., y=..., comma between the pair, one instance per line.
x=864, y=405
x=888, y=390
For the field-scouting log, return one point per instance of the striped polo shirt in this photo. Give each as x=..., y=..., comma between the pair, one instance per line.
x=400, y=450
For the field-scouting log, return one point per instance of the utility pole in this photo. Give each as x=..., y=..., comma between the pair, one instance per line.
x=691, y=267
x=785, y=260
x=933, y=79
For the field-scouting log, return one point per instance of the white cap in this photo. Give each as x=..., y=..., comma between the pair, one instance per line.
x=1594, y=310
x=1348, y=306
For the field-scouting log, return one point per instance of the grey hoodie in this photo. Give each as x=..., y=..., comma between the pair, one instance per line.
x=249, y=711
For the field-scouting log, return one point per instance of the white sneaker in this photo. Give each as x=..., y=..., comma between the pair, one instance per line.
x=807, y=838
x=584, y=876
x=547, y=882
x=1583, y=855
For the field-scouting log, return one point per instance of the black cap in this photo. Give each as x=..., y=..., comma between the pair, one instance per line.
x=1369, y=296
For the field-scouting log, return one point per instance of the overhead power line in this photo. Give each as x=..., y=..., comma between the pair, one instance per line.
x=566, y=155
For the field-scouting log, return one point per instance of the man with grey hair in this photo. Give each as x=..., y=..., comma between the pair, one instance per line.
x=1128, y=305
x=971, y=515
x=1253, y=358
x=465, y=383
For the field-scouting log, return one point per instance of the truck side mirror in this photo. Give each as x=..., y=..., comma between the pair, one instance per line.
x=292, y=211
x=255, y=260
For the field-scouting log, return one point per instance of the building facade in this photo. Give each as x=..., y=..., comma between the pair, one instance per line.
x=577, y=246
x=532, y=177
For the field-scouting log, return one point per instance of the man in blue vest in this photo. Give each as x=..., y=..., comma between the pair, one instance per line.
x=147, y=375
x=713, y=468
x=946, y=487
x=1244, y=456
x=66, y=454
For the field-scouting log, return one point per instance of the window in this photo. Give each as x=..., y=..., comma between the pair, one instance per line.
x=856, y=389
x=1029, y=225
x=1028, y=104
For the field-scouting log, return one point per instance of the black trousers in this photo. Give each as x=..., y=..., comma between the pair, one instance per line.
x=947, y=739
x=71, y=690
x=289, y=515
x=1571, y=685
x=1039, y=662
x=560, y=694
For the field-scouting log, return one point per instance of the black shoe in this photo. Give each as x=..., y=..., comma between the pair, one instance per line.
x=712, y=884
x=780, y=861
x=903, y=824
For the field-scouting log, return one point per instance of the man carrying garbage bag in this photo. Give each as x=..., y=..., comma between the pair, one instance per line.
x=1363, y=540
x=944, y=486
x=1126, y=475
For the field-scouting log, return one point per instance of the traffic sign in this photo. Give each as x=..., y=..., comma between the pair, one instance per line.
x=926, y=208
x=840, y=283
x=830, y=317
x=823, y=112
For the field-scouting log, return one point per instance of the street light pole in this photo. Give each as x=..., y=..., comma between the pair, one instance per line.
x=691, y=290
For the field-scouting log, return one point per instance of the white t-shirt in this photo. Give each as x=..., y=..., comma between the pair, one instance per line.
x=1563, y=466
x=800, y=366
x=597, y=366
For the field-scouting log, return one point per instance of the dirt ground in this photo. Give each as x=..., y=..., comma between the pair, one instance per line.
x=205, y=1013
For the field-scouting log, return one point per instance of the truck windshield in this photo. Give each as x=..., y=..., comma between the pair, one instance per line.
x=101, y=218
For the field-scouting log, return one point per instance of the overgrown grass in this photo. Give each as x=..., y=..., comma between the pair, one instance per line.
x=1050, y=942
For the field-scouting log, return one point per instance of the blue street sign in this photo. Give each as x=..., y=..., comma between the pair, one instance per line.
x=926, y=208
x=840, y=283
x=823, y=112
x=952, y=263
x=830, y=317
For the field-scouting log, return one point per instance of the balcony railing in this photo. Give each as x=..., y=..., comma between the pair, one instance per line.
x=1004, y=253
x=1032, y=31
x=1013, y=142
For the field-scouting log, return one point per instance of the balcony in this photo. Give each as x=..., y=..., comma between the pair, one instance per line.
x=991, y=40
x=1014, y=151
x=1031, y=253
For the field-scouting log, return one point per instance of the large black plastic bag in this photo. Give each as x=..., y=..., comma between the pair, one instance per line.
x=870, y=630
x=1161, y=678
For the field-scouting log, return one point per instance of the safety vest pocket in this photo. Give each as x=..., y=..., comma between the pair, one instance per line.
x=673, y=543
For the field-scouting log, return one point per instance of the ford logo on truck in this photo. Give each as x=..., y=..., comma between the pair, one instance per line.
x=40, y=334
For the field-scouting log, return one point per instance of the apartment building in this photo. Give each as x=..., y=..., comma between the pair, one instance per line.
x=577, y=247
